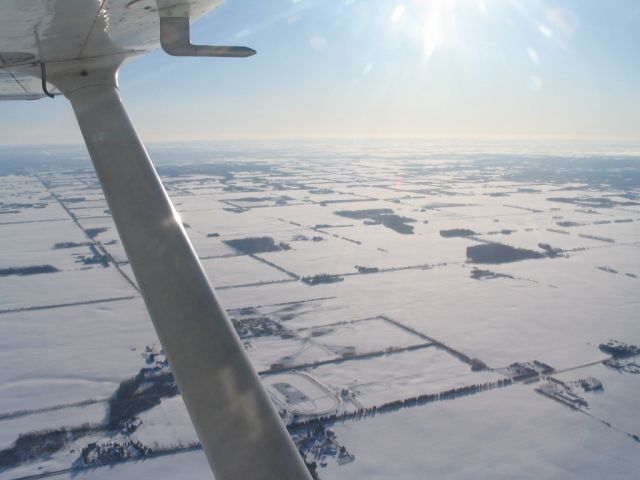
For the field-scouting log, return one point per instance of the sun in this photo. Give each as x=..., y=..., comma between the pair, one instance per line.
x=439, y=24
x=436, y=23
x=432, y=22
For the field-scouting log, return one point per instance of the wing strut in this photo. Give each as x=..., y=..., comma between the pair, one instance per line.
x=240, y=430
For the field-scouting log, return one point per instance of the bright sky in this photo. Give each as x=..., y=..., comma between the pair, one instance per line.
x=383, y=68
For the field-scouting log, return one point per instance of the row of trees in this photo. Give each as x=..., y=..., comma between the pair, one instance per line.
x=405, y=403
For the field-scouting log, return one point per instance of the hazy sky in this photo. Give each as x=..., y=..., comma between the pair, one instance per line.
x=382, y=68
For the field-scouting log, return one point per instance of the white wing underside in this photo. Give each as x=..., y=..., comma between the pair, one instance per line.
x=58, y=31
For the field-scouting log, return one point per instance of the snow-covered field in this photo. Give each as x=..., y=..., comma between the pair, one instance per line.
x=404, y=310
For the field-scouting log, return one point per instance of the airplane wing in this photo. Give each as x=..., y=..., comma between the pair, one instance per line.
x=66, y=30
x=75, y=47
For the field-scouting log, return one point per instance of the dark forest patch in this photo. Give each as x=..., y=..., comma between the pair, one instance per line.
x=31, y=270
x=499, y=253
x=253, y=245
x=457, y=232
x=381, y=216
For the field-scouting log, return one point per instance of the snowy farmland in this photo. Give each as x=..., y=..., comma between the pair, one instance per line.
x=412, y=312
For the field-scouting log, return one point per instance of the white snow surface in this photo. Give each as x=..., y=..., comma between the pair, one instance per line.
x=411, y=326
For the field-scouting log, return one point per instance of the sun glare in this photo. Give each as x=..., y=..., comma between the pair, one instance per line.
x=432, y=22
x=397, y=13
x=438, y=25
